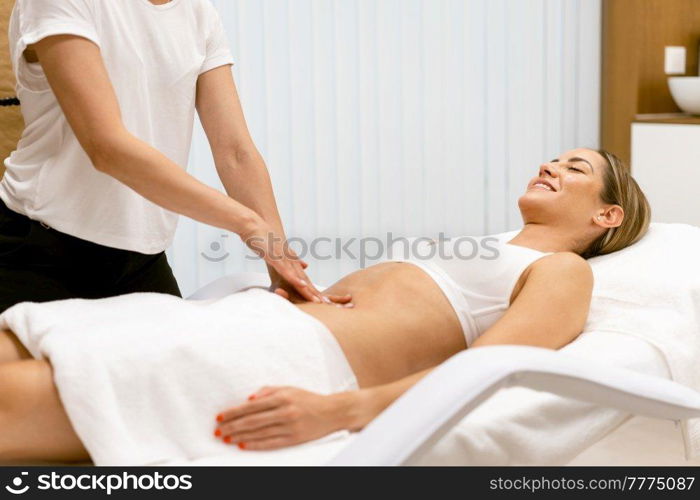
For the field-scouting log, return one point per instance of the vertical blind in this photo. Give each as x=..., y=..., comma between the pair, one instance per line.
x=409, y=117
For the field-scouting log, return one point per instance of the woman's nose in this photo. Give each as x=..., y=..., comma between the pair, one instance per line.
x=548, y=168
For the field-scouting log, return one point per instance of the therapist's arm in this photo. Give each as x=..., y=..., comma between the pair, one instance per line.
x=239, y=164
x=76, y=73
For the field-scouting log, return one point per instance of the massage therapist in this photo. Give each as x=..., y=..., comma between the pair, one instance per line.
x=91, y=196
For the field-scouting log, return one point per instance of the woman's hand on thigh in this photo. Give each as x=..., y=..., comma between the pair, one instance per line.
x=276, y=417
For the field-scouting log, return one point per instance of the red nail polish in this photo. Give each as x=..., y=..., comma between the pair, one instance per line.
x=241, y=446
x=217, y=432
x=219, y=418
x=227, y=439
x=251, y=397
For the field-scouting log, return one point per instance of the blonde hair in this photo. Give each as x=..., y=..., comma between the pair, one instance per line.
x=620, y=188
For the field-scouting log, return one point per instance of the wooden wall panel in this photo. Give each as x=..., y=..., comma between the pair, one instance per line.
x=11, y=123
x=635, y=33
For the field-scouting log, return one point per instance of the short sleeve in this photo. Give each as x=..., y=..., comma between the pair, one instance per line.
x=34, y=20
x=218, y=52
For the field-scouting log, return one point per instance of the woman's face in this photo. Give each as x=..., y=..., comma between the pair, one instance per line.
x=566, y=190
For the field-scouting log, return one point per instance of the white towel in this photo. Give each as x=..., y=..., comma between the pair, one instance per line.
x=651, y=290
x=520, y=426
x=143, y=376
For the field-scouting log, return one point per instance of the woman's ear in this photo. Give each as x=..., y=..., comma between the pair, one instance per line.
x=611, y=217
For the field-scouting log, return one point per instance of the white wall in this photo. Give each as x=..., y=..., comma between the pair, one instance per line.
x=410, y=116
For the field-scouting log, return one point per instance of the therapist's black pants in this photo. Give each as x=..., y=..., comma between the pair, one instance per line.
x=40, y=264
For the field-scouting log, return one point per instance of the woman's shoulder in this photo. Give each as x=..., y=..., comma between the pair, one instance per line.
x=545, y=272
x=563, y=265
x=569, y=257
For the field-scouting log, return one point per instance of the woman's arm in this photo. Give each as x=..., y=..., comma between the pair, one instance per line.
x=75, y=70
x=550, y=311
x=275, y=417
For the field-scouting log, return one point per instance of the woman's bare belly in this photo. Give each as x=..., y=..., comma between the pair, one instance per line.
x=402, y=323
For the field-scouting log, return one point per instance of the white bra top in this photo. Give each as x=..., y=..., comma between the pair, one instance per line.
x=477, y=274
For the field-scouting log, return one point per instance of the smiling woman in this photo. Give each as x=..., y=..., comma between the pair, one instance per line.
x=584, y=178
x=409, y=316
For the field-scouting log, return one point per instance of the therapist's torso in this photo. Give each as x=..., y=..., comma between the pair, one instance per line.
x=153, y=55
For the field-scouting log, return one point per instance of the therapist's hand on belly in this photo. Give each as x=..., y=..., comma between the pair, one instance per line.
x=76, y=72
x=260, y=237
x=285, y=290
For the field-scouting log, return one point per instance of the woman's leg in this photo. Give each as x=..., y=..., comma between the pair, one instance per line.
x=34, y=426
x=11, y=349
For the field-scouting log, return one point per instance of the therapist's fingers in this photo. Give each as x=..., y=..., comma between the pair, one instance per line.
x=300, y=266
x=291, y=295
x=284, y=290
x=281, y=258
x=290, y=265
x=287, y=263
x=282, y=293
x=328, y=299
x=340, y=299
x=307, y=288
x=291, y=271
x=296, y=280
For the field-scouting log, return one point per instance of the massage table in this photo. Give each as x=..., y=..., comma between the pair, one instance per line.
x=459, y=414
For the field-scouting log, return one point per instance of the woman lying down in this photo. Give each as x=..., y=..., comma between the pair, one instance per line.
x=151, y=378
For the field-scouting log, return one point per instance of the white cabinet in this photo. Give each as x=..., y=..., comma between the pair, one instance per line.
x=666, y=164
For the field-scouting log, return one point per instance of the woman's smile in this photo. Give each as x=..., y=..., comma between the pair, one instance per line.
x=541, y=186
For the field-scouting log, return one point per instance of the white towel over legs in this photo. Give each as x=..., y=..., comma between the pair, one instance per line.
x=143, y=376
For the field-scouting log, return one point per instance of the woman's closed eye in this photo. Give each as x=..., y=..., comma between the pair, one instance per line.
x=577, y=169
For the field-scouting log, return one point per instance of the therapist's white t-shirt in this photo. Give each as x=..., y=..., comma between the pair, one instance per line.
x=153, y=54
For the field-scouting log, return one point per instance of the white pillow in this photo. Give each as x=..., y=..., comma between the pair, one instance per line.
x=651, y=291
x=660, y=274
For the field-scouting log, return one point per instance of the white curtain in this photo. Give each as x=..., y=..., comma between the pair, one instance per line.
x=410, y=117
